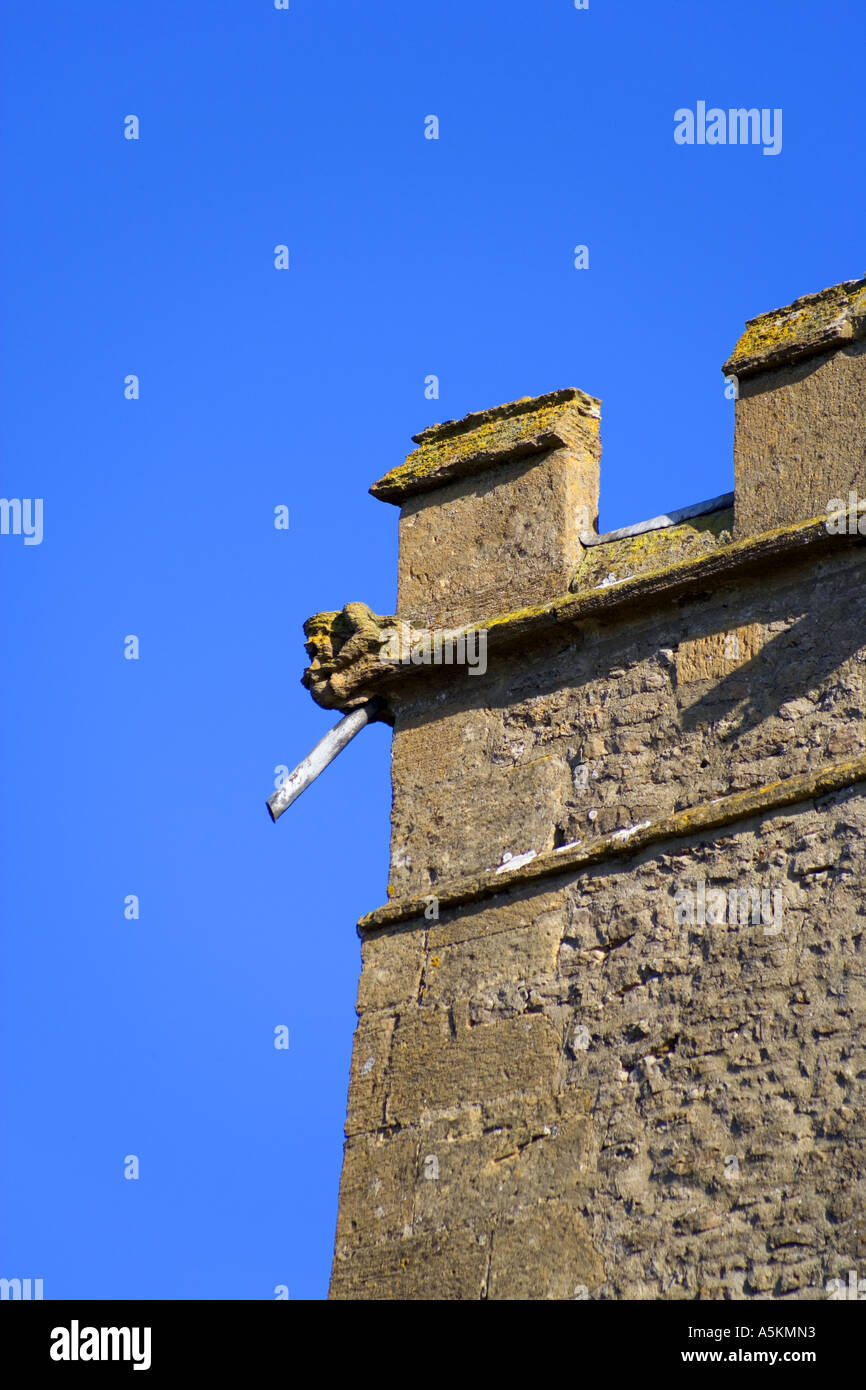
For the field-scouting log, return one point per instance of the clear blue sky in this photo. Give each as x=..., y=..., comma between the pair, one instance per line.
x=260, y=387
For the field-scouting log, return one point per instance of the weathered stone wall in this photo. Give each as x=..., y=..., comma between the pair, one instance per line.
x=633, y=1063
x=800, y=436
x=612, y=724
x=520, y=480
x=563, y=1093
x=800, y=439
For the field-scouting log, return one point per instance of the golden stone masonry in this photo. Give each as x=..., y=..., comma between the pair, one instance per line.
x=561, y=1089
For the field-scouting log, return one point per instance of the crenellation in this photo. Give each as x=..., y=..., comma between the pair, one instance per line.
x=610, y=1041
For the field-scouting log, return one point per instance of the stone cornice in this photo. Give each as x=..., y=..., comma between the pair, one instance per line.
x=346, y=648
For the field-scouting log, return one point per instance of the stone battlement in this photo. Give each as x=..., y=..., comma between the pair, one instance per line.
x=567, y=1080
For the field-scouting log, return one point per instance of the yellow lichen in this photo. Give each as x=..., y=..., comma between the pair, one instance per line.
x=503, y=434
x=633, y=555
x=340, y=640
x=808, y=322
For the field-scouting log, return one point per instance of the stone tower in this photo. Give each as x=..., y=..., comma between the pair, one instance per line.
x=611, y=1018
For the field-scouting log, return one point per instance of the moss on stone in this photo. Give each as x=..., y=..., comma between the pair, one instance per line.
x=502, y=434
x=810, y=324
x=522, y=406
x=343, y=643
x=652, y=550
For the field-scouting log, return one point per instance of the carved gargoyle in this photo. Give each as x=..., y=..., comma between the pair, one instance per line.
x=336, y=641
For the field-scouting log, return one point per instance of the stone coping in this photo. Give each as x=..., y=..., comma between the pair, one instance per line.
x=522, y=429
x=523, y=406
x=812, y=324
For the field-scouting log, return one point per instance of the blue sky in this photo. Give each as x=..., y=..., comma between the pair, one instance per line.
x=259, y=387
